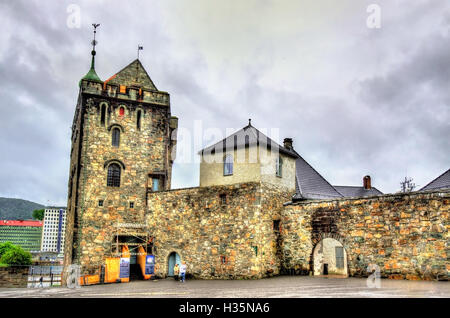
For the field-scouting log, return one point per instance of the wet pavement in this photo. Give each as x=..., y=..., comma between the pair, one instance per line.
x=276, y=287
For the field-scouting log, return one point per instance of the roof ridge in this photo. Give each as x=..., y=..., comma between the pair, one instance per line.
x=350, y=186
x=258, y=135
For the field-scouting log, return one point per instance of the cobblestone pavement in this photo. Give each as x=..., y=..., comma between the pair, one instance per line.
x=284, y=286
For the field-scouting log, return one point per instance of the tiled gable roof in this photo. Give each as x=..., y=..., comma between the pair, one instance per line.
x=441, y=182
x=248, y=136
x=133, y=74
x=357, y=192
x=310, y=184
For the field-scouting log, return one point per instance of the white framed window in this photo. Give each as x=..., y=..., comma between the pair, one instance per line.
x=279, y=167
x=228, y=165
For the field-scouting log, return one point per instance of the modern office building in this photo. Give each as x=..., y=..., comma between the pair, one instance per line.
x=24, y=233
x=53, y=233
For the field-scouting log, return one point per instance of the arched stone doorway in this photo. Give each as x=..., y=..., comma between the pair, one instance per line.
x=174, y=258
x=330, y=258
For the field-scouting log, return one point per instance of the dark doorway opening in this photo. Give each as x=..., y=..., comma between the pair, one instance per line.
x=135, y=272
x=133, y=243
x=325, y=269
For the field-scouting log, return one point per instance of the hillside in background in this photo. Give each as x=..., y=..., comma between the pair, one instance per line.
x=17, y=209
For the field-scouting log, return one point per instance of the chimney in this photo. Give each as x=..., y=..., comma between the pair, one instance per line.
x=288, y=143
x=366, y=183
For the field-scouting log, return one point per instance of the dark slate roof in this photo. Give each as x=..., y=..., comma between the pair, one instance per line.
x=245, y=137
x=357, y=192
x=441, y=182
x=310, y=184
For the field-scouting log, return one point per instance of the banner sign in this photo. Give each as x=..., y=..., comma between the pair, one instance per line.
x=124, y=267
x=150, y=265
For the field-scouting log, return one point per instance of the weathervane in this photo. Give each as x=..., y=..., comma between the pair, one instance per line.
x=94, y=42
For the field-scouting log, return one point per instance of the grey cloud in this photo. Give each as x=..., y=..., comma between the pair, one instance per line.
x=390, y=113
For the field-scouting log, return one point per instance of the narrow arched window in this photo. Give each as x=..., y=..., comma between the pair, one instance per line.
x=138, y=120
x=113, y=179
x=121, y=111
x=116, y=137
x=103, y=114
x=228, y=165
x=279, y=167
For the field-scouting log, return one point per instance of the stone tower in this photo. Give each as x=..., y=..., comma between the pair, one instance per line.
x=123, y=146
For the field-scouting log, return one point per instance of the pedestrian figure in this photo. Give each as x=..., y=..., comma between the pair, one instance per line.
x=41, y=281
x=176, y=271
x=183, y=271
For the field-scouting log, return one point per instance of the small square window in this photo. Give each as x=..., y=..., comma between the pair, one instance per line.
x=223, y=259
x=276, y=225
x=255, y=249
x=223, y=199
x=155, y=184
x=100, y=202
x=131, y=205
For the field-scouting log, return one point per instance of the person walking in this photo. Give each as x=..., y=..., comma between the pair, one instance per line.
x=41, y=281
x=183, y=271
x=176, y=271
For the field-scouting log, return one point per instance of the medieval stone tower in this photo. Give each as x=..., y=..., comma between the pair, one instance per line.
x=123, y=147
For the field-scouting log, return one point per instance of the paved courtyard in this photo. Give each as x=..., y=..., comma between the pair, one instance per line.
x=284, y=286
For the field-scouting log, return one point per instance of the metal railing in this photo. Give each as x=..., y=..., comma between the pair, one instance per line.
x=44, y=276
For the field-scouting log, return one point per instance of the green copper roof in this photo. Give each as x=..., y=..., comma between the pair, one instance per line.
x=92, y=75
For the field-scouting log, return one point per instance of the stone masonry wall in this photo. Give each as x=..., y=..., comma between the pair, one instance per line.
x=141, y=151
x=13, y=277
x=406, y=235
x=203, y=231
x=144, y=152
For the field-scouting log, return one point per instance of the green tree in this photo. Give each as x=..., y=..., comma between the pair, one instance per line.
x=15, y=255
x=38, y=214
x=5, y=247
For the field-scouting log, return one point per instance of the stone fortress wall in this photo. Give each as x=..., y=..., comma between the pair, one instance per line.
x=405, y=235
x=222, y=232
x=255, y=234
x=241, y=228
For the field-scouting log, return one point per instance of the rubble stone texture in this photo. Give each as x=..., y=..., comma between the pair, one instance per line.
x=405, y=235
x=144, y=152
x=226, y=239
x=13, y=277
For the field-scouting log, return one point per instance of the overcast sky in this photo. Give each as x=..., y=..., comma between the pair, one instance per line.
x=356, y=100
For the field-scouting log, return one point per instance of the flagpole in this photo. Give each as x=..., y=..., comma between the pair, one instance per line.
x=139, y=48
